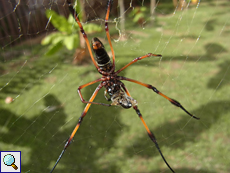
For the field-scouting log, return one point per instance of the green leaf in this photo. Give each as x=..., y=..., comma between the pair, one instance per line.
x=49, y=39
x=59, y=37
x=143, y=9
x=73, y=23
x=58, y=21
x=53, y=48
x=71, y=41
x=68, y=35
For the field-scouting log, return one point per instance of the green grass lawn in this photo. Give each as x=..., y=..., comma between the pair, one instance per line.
x=194, y=70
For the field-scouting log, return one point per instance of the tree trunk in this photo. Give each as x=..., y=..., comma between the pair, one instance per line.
x=152, y=10
x=83, y=18
x=122, y=14
x=174, y=3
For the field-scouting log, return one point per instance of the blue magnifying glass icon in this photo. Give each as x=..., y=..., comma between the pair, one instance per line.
x=9, y=160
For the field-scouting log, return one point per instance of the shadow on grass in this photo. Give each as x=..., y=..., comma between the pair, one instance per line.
x=35, y=135
x=44, y=137
x=212, y=52
x=26, y=78
x=185, y=130
x=22, y=73
x=95, y=137
x=214, y=49
x=210, y=24
x=221, y=78
x=181, y=170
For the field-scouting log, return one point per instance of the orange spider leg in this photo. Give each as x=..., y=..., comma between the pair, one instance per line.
x=107, y=32
x=137, y=59
x=151, y=136
x=85, y=85
x=174, y=102
x=83, y=33
x=125, y=89
x=78, y=125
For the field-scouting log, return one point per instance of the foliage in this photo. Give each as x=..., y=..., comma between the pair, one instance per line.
x=68, y=34
x=138, y=13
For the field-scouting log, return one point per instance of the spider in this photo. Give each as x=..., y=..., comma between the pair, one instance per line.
x=115, y=90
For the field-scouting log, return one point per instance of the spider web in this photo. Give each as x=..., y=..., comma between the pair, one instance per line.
x=44, y=106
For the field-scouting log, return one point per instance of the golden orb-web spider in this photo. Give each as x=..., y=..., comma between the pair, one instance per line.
x=115, y=90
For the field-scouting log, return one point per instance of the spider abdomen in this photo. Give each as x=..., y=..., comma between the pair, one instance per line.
x=101, y=56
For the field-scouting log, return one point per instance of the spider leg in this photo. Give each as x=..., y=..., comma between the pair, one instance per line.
x=107, y=32
x=75, y=15
x=137, y=59
x=151, y=136
x=125, y=89
x=174, y=102
x=87, y=84
x=76, y=127
x=105, y=95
